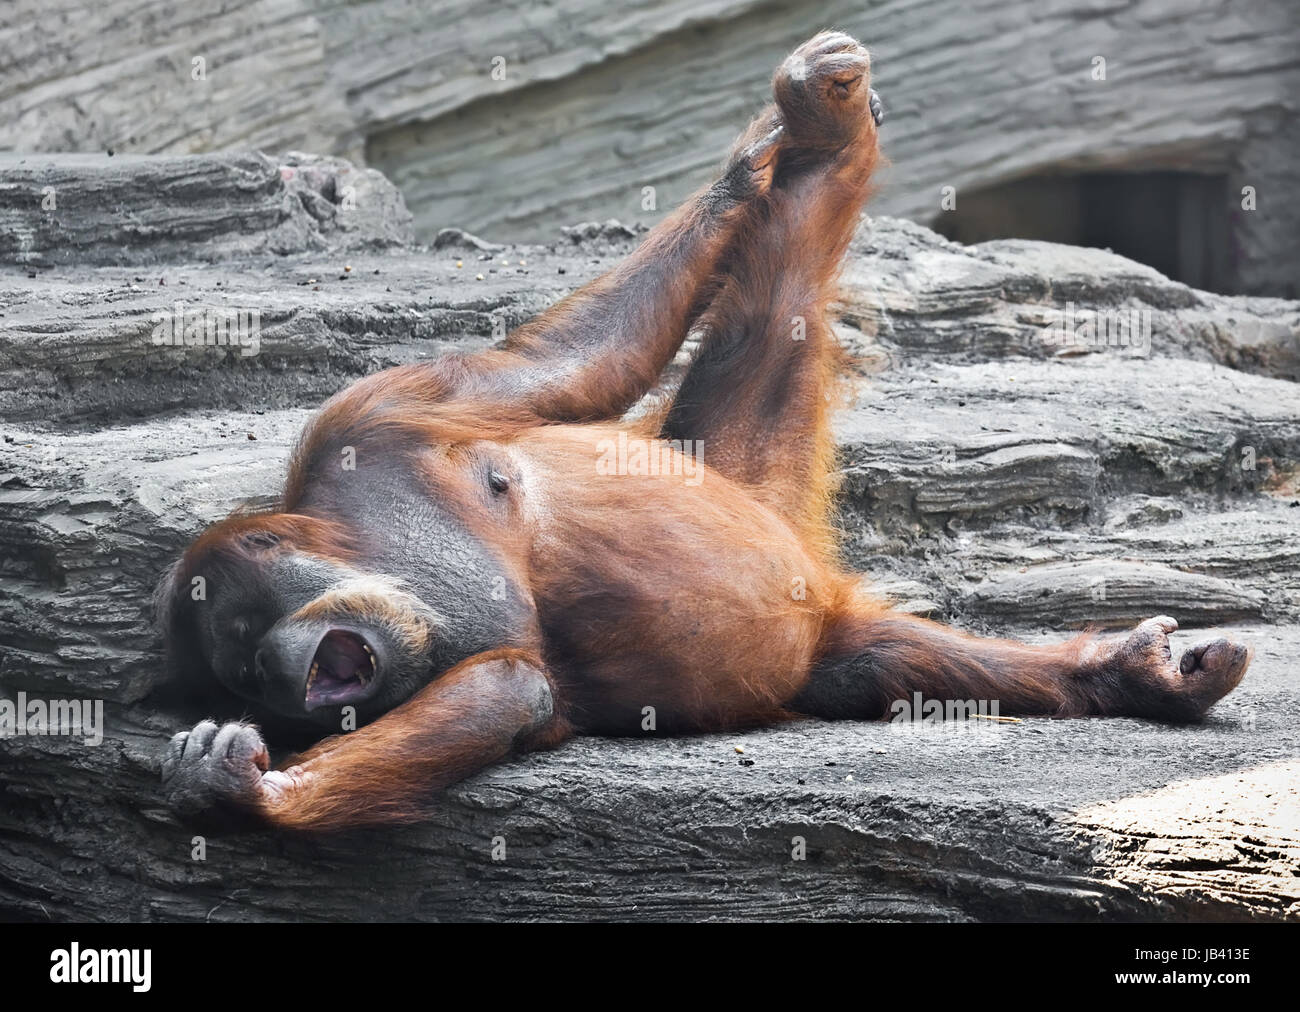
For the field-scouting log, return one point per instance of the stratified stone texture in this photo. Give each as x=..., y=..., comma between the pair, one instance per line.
x=995, y=477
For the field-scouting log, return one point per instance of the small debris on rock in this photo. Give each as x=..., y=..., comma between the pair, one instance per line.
x=458, y=237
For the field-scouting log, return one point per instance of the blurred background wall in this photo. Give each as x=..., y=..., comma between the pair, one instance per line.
x=1132, y=124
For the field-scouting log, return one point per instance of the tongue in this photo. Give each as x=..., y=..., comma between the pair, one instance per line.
x=342, y=655
x=342, y=664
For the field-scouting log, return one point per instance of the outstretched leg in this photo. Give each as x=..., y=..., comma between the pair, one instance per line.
x=595, y=353
x=757, y=396
x=873, y=658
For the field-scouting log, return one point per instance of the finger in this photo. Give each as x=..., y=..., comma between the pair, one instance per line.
x=172, y=756
x=197, y=745
x=221, y=744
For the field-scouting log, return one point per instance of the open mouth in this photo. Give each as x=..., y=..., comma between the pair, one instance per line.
x=342, y=669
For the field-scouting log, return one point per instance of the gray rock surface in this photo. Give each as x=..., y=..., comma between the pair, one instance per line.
x=513, y=119
x=992, y=479
x=1081, y=820
x=85, y=209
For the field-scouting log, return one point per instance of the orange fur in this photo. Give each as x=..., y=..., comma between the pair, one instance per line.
x=706, y=604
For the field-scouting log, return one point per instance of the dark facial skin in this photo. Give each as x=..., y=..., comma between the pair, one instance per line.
x=302, y=636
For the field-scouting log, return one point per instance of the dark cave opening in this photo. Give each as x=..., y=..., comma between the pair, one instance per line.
x=1176, y=222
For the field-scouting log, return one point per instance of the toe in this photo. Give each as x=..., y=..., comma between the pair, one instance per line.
x=844, y=70
x=1153, y=634
x=1214, y=667
x=1208, y=655
x=826, y=43
x=759, y=154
